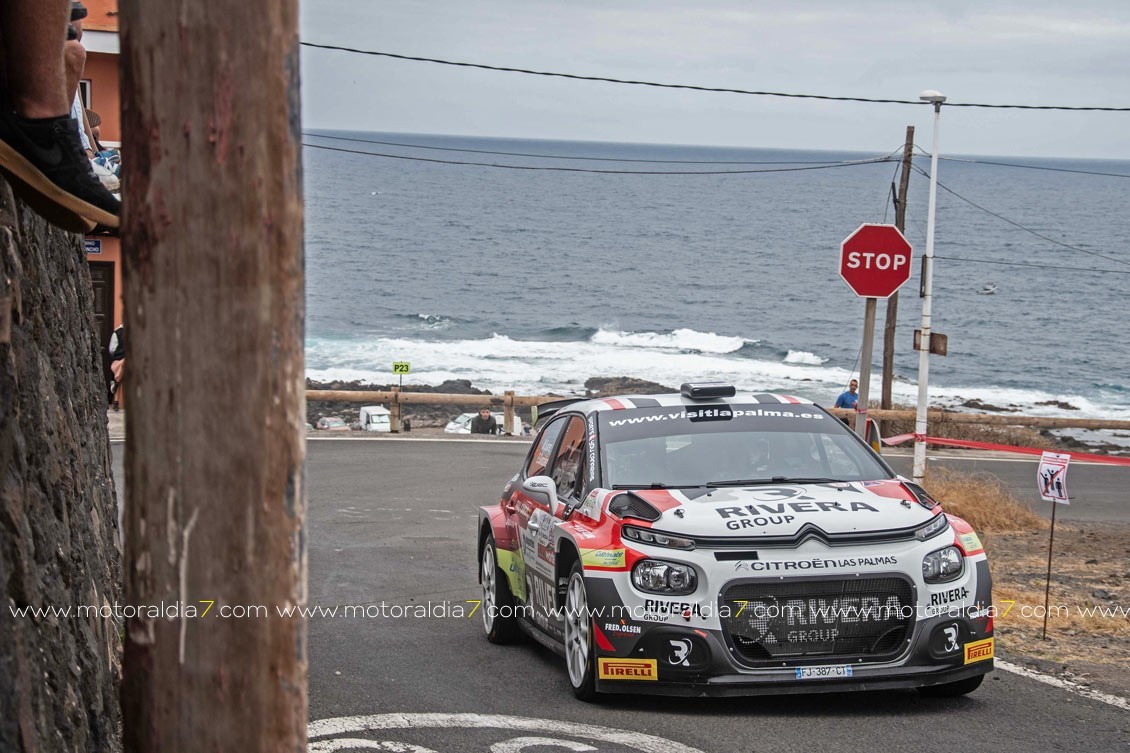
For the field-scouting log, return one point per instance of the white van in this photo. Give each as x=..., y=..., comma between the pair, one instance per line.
x=376, y=418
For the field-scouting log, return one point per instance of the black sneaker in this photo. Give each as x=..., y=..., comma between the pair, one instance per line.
x=45, y=160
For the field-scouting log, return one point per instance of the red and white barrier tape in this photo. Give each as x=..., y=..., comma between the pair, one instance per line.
x=975, y=445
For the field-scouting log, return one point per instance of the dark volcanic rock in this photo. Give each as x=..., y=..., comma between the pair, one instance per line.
x=976, y=404
x=1058, y=404
x=608, y=386
x=58, y=516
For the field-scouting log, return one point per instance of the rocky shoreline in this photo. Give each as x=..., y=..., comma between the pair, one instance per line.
x=437, y=416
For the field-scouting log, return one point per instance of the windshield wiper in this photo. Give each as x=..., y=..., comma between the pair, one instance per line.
x=656, y=485
x=773, y=480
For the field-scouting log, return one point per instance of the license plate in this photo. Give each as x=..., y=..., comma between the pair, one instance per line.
x=823, y=673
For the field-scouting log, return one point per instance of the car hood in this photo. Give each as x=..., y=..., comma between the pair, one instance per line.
x=788, y=509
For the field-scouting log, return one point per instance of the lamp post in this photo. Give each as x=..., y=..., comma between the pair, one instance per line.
x=935, y=98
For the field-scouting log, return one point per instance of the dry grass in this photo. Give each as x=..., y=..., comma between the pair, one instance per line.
x=982, y=500
x=1091, y=568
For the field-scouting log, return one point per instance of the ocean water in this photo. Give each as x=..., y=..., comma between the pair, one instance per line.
x=536, y=280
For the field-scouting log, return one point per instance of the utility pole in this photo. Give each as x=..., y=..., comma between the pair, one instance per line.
x=214, y=300
x=935, y=98
x=893, y=301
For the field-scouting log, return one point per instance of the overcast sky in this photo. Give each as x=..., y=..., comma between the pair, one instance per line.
x=1036, y=52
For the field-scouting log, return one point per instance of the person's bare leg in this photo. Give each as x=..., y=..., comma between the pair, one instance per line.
x=74, y=62
x=34, y=32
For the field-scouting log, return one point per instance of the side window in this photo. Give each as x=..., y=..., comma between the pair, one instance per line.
x=543, y=452
x=567, y=466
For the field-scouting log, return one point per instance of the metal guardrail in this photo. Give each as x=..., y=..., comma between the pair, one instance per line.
x=508, y=401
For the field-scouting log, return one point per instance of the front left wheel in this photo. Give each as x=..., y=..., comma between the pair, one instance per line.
x=499, y=619
x=579, y=656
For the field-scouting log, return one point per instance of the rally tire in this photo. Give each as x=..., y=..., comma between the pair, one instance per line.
x=580, y=658
x=499, y=619
x=953, y=689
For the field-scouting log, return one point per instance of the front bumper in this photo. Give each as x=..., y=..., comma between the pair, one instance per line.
x=897, y=678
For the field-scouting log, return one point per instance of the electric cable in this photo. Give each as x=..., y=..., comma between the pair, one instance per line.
x=716, y=89
x=565, y=157
x=1018, y=225
x=857, y=163
x=1039, y=266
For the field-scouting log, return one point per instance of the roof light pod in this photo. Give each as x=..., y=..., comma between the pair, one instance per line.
x=707, y=390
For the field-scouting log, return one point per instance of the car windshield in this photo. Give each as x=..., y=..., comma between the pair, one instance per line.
x=723, y=445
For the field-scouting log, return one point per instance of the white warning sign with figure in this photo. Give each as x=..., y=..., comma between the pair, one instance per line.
x=1051, y=477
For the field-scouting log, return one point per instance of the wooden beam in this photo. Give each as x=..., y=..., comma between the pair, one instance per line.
x=214, y=287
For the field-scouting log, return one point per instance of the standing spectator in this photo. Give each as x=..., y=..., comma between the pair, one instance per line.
x=117, y=362
x=484, y=423
x=850, y=398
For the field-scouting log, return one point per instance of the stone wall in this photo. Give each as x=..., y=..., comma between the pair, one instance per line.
x=59, y=547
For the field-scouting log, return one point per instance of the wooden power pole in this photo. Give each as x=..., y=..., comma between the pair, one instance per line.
x=214, y=285
x=893, y=301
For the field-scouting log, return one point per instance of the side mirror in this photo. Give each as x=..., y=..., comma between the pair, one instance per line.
x=545, y=489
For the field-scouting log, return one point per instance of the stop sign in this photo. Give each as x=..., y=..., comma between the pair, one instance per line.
x=875, y=260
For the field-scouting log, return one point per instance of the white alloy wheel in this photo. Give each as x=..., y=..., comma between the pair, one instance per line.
x=579, y=659
x=489, y=578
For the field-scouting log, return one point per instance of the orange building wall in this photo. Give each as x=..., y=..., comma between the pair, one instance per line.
x=105, y=99
x=102, y=15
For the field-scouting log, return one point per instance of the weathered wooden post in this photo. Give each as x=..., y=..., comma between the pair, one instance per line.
x=215, y=501
x=508, y=412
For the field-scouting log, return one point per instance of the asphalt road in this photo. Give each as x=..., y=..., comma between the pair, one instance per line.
x=394, y=521
x=1098, y=492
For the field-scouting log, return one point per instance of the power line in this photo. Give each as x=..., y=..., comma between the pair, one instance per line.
x=1018, y=225
x=565, y=157
x=873, y=161
x=1040, y=266
x=971, y=161
x=724, y=90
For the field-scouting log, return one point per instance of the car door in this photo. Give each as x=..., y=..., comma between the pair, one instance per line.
x=564, y=465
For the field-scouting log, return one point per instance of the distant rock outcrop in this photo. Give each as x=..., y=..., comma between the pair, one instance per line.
x=608, y=386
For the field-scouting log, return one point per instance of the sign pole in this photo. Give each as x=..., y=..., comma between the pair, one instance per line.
x=935, y=98
x=865, y=368
x=1051, y=480
x=1048, y=579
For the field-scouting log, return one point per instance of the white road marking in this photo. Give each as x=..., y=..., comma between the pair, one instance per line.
x=1068, y=685
x=327, y=728
x=520, y=743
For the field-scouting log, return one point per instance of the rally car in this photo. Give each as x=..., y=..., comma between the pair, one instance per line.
x=715, y=543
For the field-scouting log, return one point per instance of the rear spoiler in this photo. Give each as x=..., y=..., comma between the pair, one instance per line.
x=545, y=410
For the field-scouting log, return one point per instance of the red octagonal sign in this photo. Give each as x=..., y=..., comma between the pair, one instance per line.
x=875, y=260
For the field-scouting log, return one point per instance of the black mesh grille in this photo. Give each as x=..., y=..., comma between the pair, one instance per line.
x=628, y=505
x=849, y=619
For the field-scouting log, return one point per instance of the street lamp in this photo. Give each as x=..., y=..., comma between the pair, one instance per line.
x=935, y=98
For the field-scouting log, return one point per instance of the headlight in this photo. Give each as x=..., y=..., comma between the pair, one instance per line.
x=645, y=536
x=654, y=576
x=943, y=565
x=937, y=524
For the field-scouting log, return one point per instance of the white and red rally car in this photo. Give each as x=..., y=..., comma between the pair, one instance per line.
x=711, y=543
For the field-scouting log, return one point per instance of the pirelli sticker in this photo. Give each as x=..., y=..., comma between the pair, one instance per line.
x=978, y=651
x=628, y=669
